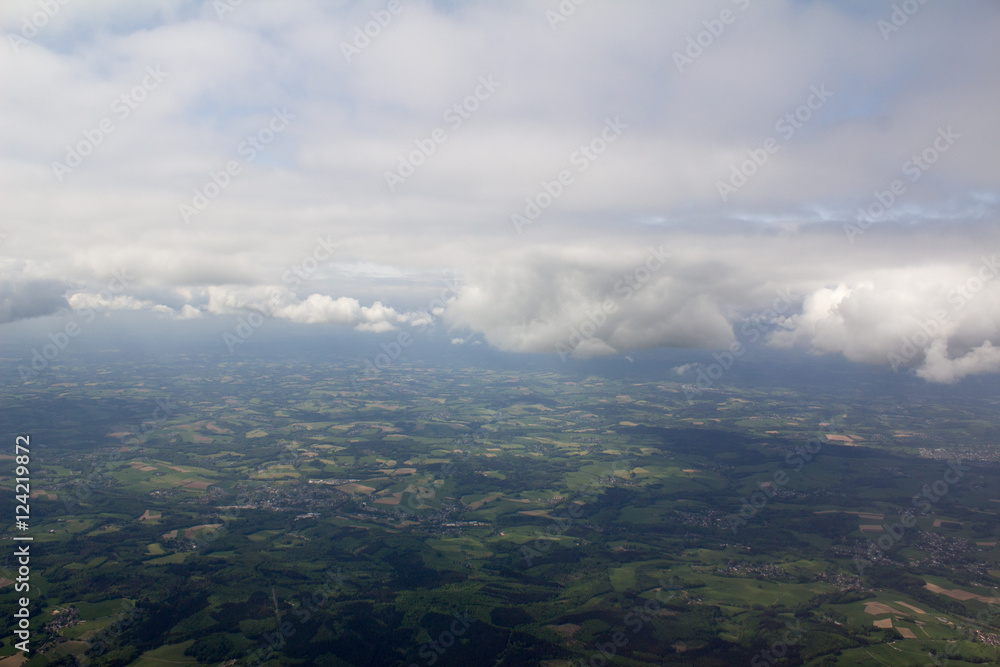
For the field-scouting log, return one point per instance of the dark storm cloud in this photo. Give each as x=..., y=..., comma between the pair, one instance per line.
x=23, y=300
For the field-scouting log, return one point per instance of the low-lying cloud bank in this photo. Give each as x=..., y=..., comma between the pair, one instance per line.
x=927, y=308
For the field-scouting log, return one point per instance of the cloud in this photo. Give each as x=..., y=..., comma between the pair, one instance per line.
x=281, y=303
x=105, y=302
x=547, y=288
x=938, y=320
x=376, y=318
x=23, y=300
x=938, y=367
x=586, y=301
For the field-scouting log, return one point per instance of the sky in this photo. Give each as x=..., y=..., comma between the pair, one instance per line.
x=574, y=178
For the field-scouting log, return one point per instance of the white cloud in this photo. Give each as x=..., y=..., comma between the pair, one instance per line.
x=938, y=319
x=281, y=303
x=317, y=308
x=104, y=302
x=938, y=367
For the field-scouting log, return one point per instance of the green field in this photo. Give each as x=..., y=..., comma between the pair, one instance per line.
x=554, y=509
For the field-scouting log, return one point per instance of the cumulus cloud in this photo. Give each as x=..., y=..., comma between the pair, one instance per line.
x=939, y=320
x=938, y=367
x=23, y=300
x=587, y=302
x=281, y=303
x=106, y=301
x=344, y=310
